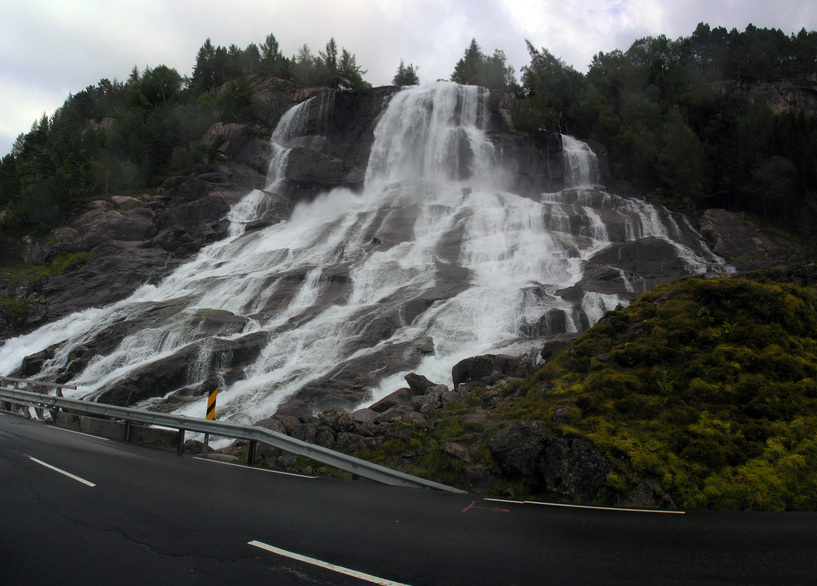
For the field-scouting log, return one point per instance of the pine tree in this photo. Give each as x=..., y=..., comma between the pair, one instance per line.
x=406, y=75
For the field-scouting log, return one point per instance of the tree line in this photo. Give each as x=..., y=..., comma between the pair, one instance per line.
x=675, y=124
x=125, y=137
x=667, y=111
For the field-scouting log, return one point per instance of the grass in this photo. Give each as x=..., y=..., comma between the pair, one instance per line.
x=16, y=311
x=706, y=385
x=60, y=264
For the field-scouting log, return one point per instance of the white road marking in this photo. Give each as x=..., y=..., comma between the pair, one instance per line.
x=252, y=467
x=63, y=472
x=325, y=565
x=569, y=506
x=81, y=433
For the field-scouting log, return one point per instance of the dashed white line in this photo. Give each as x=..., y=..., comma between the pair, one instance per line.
x=63, y=472
x=325, y=565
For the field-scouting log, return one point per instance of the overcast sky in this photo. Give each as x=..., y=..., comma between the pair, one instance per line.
x=50, y=48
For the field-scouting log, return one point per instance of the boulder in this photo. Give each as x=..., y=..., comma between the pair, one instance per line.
x=350, y=442
x=398, y=397
x=489, y=369
x=338, y=419
x=365, y=416
x=572, y=467
x=518, y=449
x=456, y=450
x=418, y=383
x=36, y=252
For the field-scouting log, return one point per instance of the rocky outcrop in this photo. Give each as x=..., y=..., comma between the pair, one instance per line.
x=780, y=96
x=111, y=275
x=403, y=420
x=223, y=361
x=534, y=165
x=131, y=241
x=336, y=139
x=488, y=370
x=526, y=451
x=652, y=259
x=139, y=239
x=25, y=305
x=572, y=467
x=740, y=242
x=349, y=384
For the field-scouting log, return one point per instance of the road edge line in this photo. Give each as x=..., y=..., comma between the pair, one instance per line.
x=591, y=507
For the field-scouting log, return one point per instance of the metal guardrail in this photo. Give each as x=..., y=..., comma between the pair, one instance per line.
x=38, y=384
x=289, y=444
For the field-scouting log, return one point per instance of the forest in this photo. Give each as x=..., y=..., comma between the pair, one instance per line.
x=667, y=112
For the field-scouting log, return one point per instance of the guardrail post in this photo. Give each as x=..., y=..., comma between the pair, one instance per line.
x=180, y=447
x=251, y=453
x=127, y=430
x=206, y=443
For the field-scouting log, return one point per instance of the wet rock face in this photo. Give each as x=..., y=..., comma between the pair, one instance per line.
x=489, y=369
x=140, y=239
x=740, y=242
x=107, y=277
x=174, y=372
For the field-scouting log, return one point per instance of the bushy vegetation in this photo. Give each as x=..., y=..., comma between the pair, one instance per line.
x=708, y=386
x=675, y=123
x=669, y=113
x=125, y=137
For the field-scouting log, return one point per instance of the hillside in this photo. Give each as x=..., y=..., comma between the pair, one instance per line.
x=701, y=394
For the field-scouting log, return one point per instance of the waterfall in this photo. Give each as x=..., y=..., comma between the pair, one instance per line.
x=580, y=162
x=435, y=260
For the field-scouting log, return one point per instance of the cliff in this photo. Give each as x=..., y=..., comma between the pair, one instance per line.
x=123, y=242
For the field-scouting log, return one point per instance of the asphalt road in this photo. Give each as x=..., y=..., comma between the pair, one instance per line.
x=135, y=515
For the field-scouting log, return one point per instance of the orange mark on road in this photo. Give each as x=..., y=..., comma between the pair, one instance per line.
x=473, y=505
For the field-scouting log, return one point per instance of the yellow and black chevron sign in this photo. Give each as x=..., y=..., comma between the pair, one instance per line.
x=211, y=404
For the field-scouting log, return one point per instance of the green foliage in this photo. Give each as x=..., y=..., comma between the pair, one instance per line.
x=713, y=394
x=477, y=68
x=551, y=88
x=406, y=75
x=670, y=128
x=14, y=312
x=120, y=137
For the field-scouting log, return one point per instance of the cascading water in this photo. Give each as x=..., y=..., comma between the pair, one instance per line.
x=434, y=261
x=580, y=163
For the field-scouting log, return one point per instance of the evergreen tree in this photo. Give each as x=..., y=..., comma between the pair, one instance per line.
x=204, y=72
x=680, y=162
x=476, y=68
x=406, y=75
x=350, y=75
x=330, y=58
